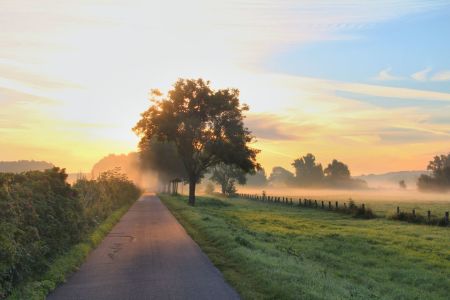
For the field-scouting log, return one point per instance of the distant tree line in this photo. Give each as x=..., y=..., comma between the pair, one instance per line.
x=23, y=166
x=129, y=164
x=41, y=216
x=439, y=180
x=309, y=174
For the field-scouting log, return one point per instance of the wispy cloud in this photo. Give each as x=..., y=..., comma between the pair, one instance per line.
x=421, y=75
x=441, y=76
x=117, y=50
x=270, y=127
x=386, y=75
x=33, y=79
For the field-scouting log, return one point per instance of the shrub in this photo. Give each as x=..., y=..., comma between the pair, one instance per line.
x=41, y=216
x=418, y=219
x=99, y=198
x=359, y=212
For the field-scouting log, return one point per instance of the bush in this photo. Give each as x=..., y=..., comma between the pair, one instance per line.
x=418, y=219
x=41, y=216
x=99, y=198
x=359, y=212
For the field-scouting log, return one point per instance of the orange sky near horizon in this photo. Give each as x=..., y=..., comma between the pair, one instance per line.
x=75, y=75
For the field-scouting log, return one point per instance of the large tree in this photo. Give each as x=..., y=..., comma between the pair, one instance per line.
x=440, y=175
x=206, y=126
x=337, y=171
x=227, y=176
x=281, y=176
x=257, y=179
x=163, y=158
x=307, y=171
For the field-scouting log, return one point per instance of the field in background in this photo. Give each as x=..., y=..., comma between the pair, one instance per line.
x=383, y=202
x=278, y=252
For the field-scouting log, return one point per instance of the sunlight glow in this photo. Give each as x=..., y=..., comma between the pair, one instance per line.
x=81, y=72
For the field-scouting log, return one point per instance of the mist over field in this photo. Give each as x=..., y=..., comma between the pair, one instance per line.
x=244, y=149
x=378, y=194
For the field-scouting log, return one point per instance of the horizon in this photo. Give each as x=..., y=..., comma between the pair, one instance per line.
x=367, y=85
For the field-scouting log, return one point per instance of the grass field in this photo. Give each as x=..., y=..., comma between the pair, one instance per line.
x=275, y=252
x=382, y=202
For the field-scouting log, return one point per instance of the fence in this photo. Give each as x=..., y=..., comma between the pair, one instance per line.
x=351, y=208
x=413, y=217
x=357, y=211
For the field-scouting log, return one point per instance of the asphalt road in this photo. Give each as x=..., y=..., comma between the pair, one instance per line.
x=147, y=255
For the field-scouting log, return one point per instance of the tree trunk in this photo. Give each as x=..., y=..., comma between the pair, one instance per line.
x=192, y=183
x=224, y=187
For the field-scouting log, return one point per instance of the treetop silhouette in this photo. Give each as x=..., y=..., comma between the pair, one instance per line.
x=206, y=126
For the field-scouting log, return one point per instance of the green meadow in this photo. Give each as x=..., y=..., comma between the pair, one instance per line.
x=268, y=251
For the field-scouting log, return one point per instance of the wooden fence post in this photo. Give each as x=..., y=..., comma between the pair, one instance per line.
x=446, y=218
x=429, y=216
x=323, y=206
x=337, y=205
x=329, y=205
x=363, y=207
x=414, y=213
x=398, y=210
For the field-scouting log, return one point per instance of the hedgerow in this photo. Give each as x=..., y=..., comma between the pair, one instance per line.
x=42, y=216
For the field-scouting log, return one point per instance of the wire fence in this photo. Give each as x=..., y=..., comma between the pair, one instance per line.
x=350, y=207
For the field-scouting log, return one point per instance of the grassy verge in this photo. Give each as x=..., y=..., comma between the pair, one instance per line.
x=67, y=263
x=276, y=252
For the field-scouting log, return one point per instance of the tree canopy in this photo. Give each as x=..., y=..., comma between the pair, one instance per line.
x=205, y=125
x=440, y=175
x=257, y=179
x=307, y=171
x=163, y=158
x=337, y=171
x=227, y=176
x=281, y=176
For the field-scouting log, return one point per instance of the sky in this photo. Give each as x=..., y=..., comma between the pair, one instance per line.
x=365, y=82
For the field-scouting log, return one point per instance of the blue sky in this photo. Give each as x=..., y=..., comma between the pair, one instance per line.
x=402, y=46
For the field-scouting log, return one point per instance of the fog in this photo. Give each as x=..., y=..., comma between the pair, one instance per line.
x=379, y=194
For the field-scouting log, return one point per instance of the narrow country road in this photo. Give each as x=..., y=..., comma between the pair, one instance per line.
x=147, y=255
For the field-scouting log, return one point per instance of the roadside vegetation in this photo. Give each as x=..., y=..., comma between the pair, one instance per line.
x=47, y=227
x=281, y=252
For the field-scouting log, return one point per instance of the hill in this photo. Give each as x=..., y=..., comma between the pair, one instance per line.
x=23, y=166
x=391, y=179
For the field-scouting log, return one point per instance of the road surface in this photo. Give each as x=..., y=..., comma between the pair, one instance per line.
x=147, y=255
